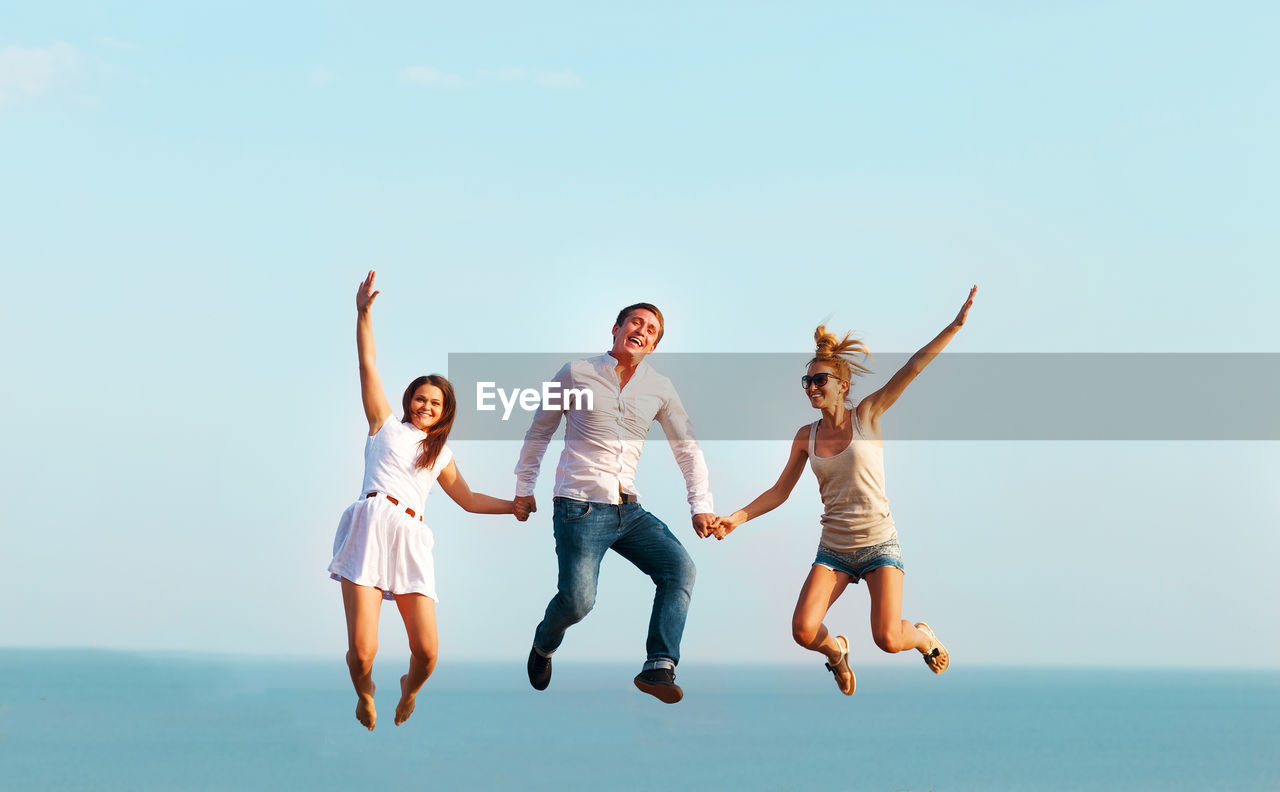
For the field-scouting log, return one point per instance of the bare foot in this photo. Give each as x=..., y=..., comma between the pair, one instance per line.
x=407, y=701
x=365, y=711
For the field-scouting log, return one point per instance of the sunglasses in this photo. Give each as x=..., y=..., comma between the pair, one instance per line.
x=820, y=380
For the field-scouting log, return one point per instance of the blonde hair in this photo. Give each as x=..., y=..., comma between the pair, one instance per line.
x=840, y=353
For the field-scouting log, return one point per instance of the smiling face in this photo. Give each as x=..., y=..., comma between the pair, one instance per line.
x=636, y=336
x=426, y=406
x=830, y=394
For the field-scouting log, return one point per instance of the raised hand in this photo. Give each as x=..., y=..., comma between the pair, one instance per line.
x=964, y=311
x=366, y=295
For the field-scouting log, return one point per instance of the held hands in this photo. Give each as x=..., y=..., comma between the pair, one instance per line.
x=964, y=311
x=524, y=505
x=708, y=525
x=724, y=526
x=365, y=295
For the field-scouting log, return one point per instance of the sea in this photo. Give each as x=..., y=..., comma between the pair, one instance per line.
x=105, y=720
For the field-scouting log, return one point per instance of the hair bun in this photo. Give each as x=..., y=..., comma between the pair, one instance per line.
x=841, y=352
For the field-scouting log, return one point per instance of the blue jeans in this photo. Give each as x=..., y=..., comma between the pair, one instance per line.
x=584, y=531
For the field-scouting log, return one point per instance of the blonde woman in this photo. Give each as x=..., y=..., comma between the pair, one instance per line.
x=845, y=450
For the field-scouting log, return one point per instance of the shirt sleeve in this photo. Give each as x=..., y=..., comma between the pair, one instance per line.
x=537, y=438
x=390, y=419
x=679, y=430
x=442, y=461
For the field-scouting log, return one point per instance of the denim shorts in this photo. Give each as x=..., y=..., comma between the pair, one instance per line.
x=858, y=562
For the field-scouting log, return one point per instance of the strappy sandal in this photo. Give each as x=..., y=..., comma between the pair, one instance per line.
x=937, y=657
x=842, y=666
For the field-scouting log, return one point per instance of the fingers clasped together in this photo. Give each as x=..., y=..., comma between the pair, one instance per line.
x=705, y=525
x=708, y=525
x=524, y=506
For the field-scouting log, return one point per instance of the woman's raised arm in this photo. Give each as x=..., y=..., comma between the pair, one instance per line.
x=877, y=403
x=376, y=408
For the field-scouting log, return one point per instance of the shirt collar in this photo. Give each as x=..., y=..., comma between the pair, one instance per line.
x=607, y=361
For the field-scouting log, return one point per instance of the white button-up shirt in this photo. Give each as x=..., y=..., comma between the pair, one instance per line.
x=602, y=446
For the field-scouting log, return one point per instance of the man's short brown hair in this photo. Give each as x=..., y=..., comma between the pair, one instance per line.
x=625, y=312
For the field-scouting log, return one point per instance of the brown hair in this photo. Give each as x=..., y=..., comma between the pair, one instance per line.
x=840, y=353
x=625, y=312
x=438, y=432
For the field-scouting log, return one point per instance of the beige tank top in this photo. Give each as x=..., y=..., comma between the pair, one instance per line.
x=856, y=510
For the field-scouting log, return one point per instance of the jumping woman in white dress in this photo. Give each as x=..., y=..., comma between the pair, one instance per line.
x=845, y=449
x=383, y=548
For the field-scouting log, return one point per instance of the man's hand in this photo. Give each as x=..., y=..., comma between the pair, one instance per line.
x=704, y=524
x=525, y=505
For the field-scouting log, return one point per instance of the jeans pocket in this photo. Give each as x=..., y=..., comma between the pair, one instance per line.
x=573, y=510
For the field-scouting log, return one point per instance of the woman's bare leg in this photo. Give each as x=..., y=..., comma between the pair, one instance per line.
x=821, y=589
x=891, y=632
x=362, y=605
x=419, y=614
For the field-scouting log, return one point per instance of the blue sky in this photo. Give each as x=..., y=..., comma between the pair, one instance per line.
x=193, y=194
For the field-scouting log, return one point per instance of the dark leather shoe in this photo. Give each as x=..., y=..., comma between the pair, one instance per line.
x=661, y=684
x=539, y=670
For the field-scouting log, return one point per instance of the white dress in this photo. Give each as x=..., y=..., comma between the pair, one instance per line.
x=378, y=544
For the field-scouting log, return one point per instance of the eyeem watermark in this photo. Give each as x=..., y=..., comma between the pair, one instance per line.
x=967, y=396
x=551, y=397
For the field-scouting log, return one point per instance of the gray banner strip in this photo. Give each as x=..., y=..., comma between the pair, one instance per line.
x=960, y=396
